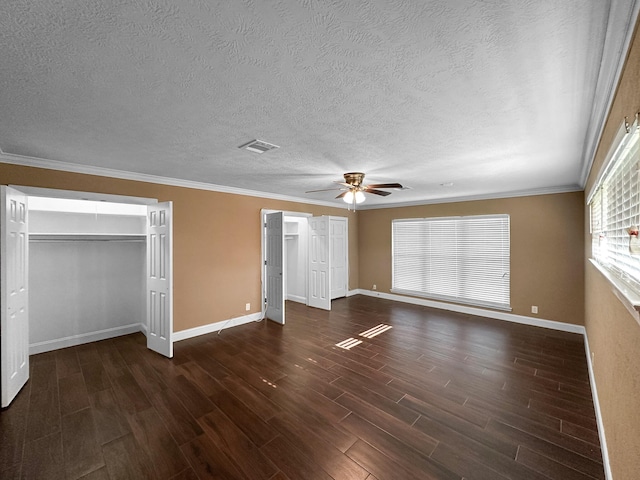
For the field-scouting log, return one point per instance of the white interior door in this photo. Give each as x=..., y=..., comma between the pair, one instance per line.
x=160, y=279
x=14, y=322
x=275, y=267
x=338, y=239
x=319, y=263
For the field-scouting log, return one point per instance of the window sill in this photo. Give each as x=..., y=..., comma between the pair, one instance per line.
x=459, y=301
x=629, y=298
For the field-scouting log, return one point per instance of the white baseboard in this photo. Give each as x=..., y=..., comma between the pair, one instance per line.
x=297, y=298
x=216, y=326
x=41, y=347
x=596, y=405
x=351, y=293
x=480, y=312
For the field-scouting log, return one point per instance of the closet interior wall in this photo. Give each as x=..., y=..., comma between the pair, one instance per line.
x=295, y=258
x=86, y=276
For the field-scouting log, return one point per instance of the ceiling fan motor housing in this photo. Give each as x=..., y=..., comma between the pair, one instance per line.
x=354, y=178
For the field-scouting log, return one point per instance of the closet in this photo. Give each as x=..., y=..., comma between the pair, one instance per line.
x=305, y=259
x=78, y=267
x=296, y=235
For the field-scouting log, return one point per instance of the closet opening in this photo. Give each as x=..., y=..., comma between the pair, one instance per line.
x=78, y=267
x=304, y=259
x=87, y=271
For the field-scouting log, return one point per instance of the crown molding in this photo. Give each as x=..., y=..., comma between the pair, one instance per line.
x=608, y=80
x=473, y=198
x=143, y=177
x=175, y=182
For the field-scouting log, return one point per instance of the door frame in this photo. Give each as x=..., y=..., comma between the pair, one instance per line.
x=263, y=252
x=78, y=195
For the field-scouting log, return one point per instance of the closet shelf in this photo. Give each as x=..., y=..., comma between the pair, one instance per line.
x=84, y=237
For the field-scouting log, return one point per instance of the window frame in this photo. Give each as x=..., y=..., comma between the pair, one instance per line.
x=621, y=269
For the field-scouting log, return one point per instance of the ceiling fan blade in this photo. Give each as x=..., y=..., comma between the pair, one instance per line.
x=385, y=185
x=322, y=190
x=353, y=183
x=377, y=192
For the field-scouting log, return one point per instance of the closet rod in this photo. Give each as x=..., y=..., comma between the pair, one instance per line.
x=86, y=238
x=52, y=240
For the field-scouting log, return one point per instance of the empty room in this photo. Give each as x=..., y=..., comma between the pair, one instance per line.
x=320, y=240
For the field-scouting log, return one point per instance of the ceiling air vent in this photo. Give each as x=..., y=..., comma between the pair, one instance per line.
x=258, y=146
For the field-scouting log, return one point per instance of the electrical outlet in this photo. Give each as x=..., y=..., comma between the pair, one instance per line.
x=247, y=307
x=375, y=287
x=534, y=309
x=593, y=359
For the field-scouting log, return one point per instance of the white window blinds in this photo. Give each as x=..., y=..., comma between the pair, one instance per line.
x=461, y=259
x=615, y=208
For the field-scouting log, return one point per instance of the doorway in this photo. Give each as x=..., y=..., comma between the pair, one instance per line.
x=305, y=260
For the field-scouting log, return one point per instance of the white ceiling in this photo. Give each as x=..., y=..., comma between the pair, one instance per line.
x=499, y=97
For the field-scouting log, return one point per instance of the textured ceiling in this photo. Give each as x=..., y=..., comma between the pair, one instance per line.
x=495, y=96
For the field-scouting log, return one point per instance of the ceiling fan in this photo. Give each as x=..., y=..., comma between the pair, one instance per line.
x=355, y=189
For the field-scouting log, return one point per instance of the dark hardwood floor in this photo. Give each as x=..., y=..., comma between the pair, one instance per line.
x=438, y=396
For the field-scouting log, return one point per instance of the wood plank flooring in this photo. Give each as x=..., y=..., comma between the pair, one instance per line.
x=440, y=395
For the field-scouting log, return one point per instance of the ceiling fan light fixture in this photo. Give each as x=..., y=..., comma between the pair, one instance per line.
x=351, y=195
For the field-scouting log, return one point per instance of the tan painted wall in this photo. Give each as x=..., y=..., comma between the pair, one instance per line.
x=216, y=240
x=547, y=249
x=614, y=335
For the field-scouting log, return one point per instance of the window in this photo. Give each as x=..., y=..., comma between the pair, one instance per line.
x=461, y=259
x=615, y=208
